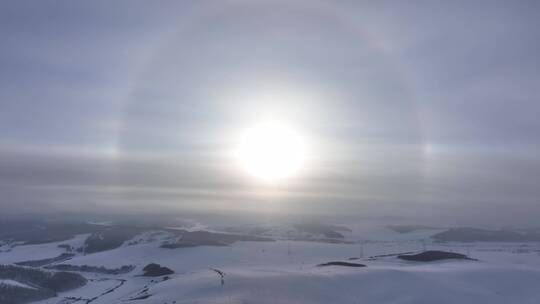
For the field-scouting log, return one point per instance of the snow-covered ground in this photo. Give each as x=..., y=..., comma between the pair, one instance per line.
x=39, y=251
x=14, y=283
x=286, y=272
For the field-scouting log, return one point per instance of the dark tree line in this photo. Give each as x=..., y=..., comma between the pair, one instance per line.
x=44, y=284
x=94, y=269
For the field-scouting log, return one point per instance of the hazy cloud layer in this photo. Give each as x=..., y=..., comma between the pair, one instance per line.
x=414, y=108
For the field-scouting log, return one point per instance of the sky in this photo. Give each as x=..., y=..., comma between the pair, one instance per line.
x=416, y=109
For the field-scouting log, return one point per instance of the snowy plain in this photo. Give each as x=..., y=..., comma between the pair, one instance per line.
x=286, y=271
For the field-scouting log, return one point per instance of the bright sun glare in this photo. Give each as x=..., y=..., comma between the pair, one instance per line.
x=271, y=151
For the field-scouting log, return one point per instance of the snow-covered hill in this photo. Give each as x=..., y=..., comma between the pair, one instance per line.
x=285, y=271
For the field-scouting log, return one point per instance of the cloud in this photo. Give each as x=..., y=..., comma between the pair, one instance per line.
x=121, y=104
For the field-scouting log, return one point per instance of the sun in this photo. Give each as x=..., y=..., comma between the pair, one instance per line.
x=271, y=151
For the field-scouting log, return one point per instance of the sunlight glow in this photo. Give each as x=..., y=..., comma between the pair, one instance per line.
x=271, y=151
